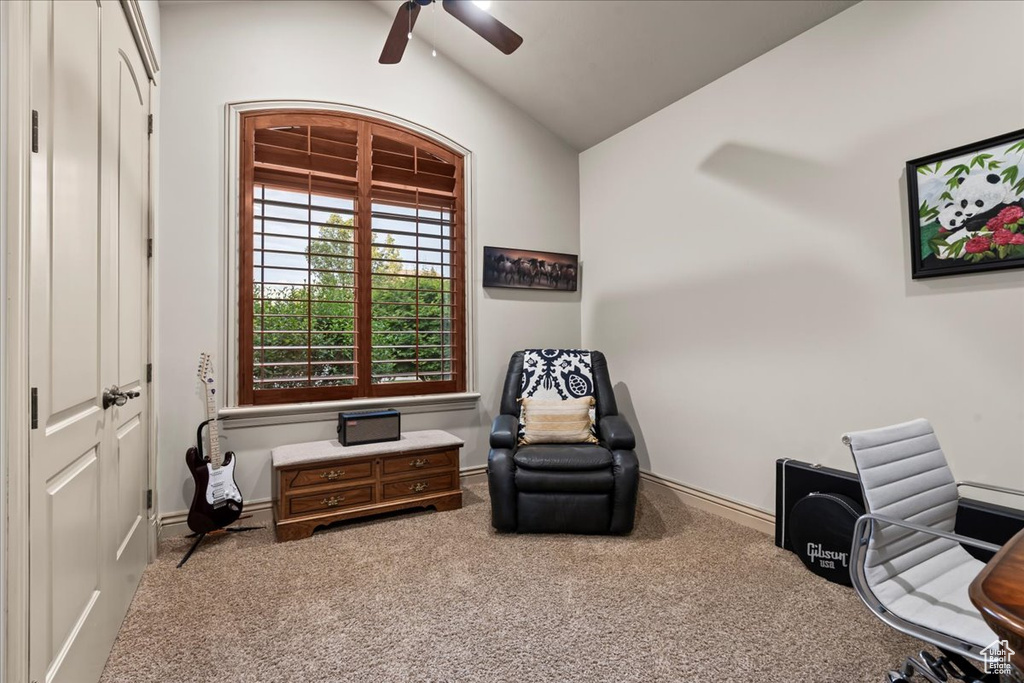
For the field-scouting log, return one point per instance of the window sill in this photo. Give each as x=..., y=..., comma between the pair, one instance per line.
x=327, y=411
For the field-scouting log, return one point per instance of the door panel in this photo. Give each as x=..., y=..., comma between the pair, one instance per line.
x=131, y=444
x=88, y=465
x=74, y=238
x=74, y=501
x=133, y=152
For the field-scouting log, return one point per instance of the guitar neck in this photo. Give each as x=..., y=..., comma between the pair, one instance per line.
x=216, y=459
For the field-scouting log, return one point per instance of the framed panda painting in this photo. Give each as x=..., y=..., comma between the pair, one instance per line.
x=967, y=208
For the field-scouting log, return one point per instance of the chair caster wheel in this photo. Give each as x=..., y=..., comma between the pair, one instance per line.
x=895, y=677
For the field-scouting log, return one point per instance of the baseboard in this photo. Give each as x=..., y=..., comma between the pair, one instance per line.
x=260, y=511
x=472, y=475
x=741, y=513
x=257, y=512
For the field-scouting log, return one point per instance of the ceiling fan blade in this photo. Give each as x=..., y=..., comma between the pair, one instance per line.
x=486, y=26
x=398, y=38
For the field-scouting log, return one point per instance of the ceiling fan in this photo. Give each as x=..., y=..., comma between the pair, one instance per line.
x=482, y=23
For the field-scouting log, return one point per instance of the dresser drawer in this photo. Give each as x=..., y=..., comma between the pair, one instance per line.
x=327, y=475
x=413, y=462
x=331, y=500
x=411, y=488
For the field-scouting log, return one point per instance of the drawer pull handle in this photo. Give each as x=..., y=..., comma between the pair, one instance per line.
x=333, y=501
x=332, y=475
x=418, y=486
x=419, y=462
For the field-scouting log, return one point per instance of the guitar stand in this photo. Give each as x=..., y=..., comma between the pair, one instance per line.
x=199, y=539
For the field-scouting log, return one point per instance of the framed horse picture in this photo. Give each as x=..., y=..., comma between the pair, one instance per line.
x=523, y=269
x=967, y=208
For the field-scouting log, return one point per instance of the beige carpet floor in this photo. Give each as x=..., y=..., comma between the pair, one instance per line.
x=440, y=597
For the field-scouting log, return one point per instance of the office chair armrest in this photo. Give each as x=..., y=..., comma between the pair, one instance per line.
x=505, y=432
x=990, y=487
x=860, y=539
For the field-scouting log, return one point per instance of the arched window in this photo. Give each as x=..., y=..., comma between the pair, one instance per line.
x=351, y=262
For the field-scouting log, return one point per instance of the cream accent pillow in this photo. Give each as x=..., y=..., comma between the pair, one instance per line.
x=547, y=421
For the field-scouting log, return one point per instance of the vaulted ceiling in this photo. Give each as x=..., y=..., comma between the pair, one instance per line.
x=588, y=68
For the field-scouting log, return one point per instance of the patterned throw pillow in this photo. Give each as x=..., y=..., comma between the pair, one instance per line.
x=556, y=374
x=558, y=421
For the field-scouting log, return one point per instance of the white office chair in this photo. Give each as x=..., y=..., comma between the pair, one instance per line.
x=906, y=563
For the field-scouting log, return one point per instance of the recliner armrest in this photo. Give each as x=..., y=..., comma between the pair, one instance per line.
x=505, y=432
x=616, y=432
x=501, y=482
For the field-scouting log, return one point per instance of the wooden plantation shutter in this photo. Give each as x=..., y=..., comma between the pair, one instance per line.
x=352, y=260
x=415, y=268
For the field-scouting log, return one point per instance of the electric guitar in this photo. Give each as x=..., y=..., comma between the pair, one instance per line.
x=217, y=501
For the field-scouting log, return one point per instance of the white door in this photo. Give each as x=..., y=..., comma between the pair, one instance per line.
x=87, y=331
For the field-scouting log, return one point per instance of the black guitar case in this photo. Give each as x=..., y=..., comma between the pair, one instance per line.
x=795, y=481
x=821, y=531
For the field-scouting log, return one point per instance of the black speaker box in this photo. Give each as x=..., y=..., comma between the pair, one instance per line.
x=369, y=426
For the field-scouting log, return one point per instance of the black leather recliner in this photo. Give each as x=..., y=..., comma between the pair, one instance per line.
x=563, y=488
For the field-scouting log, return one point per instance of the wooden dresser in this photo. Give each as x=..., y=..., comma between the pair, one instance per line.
x=321, y=482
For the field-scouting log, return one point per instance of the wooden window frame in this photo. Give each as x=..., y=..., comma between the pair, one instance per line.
x=366, y=126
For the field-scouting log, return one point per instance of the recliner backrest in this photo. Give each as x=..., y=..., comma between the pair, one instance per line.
x=604, y=395
x=904, y=475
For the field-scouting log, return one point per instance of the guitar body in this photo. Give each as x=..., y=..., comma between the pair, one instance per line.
x=217, y=501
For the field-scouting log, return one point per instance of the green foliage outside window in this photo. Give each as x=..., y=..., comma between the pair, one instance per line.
x=305, y=333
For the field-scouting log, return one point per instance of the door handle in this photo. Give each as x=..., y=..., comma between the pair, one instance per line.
x=115, y=397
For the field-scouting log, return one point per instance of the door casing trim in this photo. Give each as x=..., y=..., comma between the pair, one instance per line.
x=14, y=455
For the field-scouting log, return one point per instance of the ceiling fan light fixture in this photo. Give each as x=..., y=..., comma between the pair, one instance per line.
x=476, y=19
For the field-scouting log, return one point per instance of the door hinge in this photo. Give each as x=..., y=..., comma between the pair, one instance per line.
x=149, y=248
x=149, y=499
x=35, y=408
x=149, y=372
x=35, y=131
x=150, y=124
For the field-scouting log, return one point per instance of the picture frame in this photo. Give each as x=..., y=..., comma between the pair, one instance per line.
x=529, y=269
x=966, y=208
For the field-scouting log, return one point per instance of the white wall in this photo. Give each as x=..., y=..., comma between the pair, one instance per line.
x=526, y=190
x=746, y=254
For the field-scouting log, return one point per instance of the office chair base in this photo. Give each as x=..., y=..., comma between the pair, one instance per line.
x=959, y=668
x=948, y=667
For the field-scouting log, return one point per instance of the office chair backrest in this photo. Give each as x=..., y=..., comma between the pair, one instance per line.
x=904, y=475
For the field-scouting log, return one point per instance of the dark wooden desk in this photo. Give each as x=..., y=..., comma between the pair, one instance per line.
x=998, y=593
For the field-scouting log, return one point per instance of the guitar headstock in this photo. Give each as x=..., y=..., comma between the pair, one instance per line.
x=205, y=371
